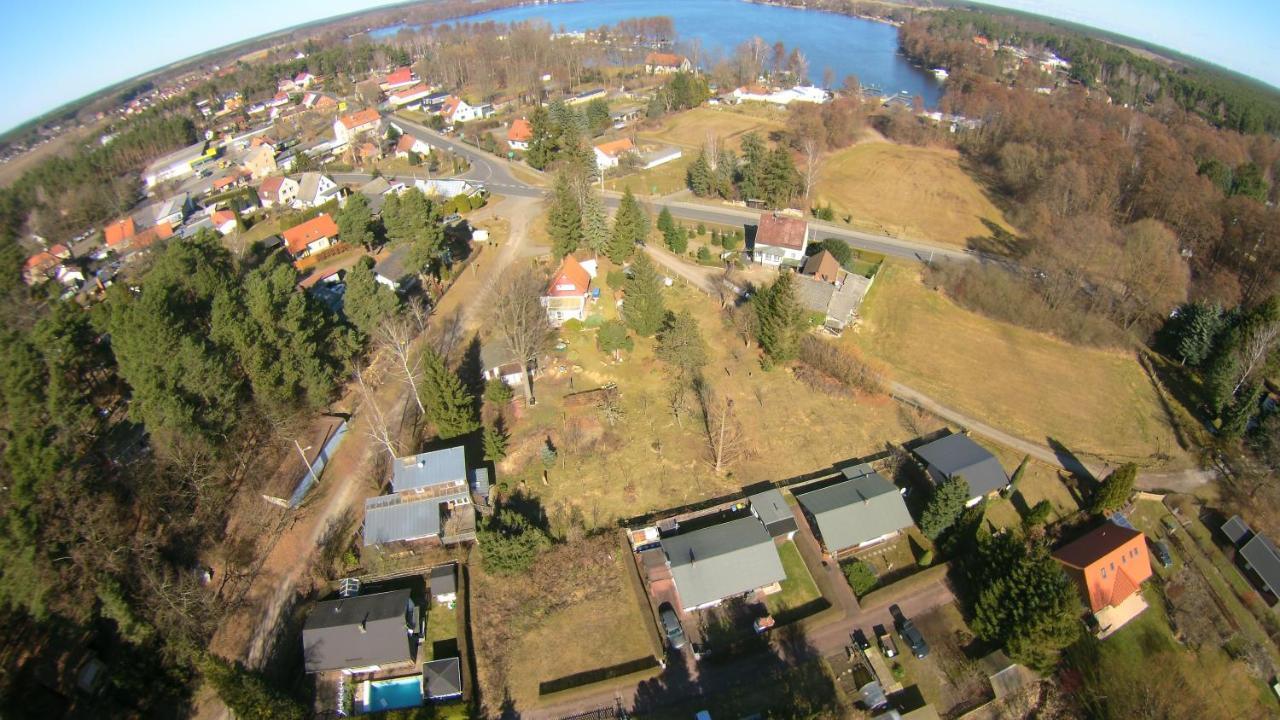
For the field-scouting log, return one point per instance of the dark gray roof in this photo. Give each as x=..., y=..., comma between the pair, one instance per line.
x=444, y=579
x=392, y=267
x=773, y=511
x=959, y=455
x=390, y=518
x=838, y=303
x=1262, y=556
x=437, y=467
x=444, y=678
x=360, y=631
x=857, y=510
x=480, y=483
x=723, y=560
x=814, y=295
x=1236, y=530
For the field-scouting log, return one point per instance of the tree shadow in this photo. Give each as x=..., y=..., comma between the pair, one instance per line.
x=471, y=370
x=1000, y=242
x=1069, y=461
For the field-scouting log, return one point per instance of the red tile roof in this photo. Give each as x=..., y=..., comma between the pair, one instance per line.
x=42, y=260
x=663, y=59
x=270, y=188
x=362, y=117
x=298, y=237
x=614, y=148
x=1110, y=563
x=571, y=279
x=223, y=182
x=119, y=231
x=60, y=251
x=406, y=143
x=781, y=231
x=400, y=76
x=150, y=235
x=420, y=88
x=220, y=217
x=521, y=131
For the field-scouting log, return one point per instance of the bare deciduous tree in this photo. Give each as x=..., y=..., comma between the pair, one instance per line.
x=395, y=336
x=812, y=149
x=726, y=441
x=519, y=320
x=379, y=426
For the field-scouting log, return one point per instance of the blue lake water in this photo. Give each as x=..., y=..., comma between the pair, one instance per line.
x=848, y=45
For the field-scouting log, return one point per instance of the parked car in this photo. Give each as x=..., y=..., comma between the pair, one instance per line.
x=451, y=218
x=911, y=635
x=671, y=624
x=887, y=645
x=1161, y=551
x=860, y=639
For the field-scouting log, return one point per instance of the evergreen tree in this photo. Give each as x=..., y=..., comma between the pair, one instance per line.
x=450, y=406
x=1200, y=324
x=699, y=177
x=680, y=344
x=541, y=142
x=629, y=228
x=246, y=693
x=595, y=225
x=366, y=301
x=612, y=338
x=1114, y=492
x=780, y=319
x=427, y=248
x=778, y=179
x=355, y=222
x=1240, y=411
x=750, y=182
x=642, y=308
x=666, y=224
x=495, y=443
x=564, y=221
x=944, y=507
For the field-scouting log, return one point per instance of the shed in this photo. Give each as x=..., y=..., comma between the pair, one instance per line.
x=1262, y=557
x=438, y=467
x=774, y=512
x=443, y=678
x=1237, y=530
x=444, y=583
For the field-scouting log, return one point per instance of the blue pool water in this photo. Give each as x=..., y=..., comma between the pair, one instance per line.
x=394, y=694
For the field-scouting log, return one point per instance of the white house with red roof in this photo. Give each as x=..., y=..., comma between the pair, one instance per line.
x=304, y=79
x=519, y=134
x=780, y=239
x=224, y=221
x=406, y=96
x=354, y=124
x=399, y=78
x=312, y=236
x=278, y=191
x=609, y=153
x=456, y=110
x=567, y=293
x=410, y=144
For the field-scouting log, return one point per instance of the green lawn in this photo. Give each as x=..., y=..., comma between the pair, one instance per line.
x=798, y=589
x=442, y=626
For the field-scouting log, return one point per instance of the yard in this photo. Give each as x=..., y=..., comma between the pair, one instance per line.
x=798, y=590
x=575, y=611
x=1093, y=402
x=910, y=192
x=640, y=457
x=948, y=678
x=1040, y=482
x=442, y=631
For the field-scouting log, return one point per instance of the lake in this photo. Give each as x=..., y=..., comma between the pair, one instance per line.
x=848, y=45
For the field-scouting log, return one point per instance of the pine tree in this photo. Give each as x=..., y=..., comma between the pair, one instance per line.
x=1114, y=492
x=495, y=443
x=564, y=221
x=366, y=301
x=629, y=227
x=680, y=344
x=780, y=319
x=355, y=222
x=595, y=225
x=642, y=308
x=450, y=406
x=944, y=507
x=666, y=223
x=699, y=177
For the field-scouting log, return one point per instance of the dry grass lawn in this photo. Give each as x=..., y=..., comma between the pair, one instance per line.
x=911, y=192
x=1094, y=402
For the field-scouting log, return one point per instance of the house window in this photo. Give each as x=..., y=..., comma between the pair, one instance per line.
x=1104, y=573
x=1113, y=567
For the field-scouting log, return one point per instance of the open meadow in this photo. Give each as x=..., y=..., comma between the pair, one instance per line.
x=1094, y=402
x=910, y=192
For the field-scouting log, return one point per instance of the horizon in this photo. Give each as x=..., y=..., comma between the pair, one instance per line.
x=96, y=27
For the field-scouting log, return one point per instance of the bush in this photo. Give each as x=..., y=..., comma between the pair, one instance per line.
x=1039, y=514
x=497, y=392
x=861, y=576
x=731, y=242
x=925, y=559
x=572, y=325
x=841, y=365
x=615, y=279
x=704, y=255
x=702, y=229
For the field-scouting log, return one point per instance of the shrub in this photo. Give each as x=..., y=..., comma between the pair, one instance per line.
x=861, y=576
x=841, y=365
x=925, y=559
x=704, y=255
x=497, y=392
x=702, y=229
x=1039, y=514
x=615, y=279
x=572, y=325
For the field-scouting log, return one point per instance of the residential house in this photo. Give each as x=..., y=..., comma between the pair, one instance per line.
x=312, y=236
x=609, y=153
x=347, y=127
x=368, y=152
x=586, y=96
x=278, y=191
x=316, y=189
x=391, y=269
x=1258, y=555
x=444, y=583
x=410, y=144
x=173, y=210
x=661, y=156
x=519, y=134
x=399, y=78
x=45, y=264
x=824, y=267
x=773, y=512
x=227, y=181
x=260, y=161
x=362, y=634
x=498, y=363
x=824, y=287
x=567, y=294
x=958, y=455
x=858, y=512
x=224, y=221
x=443, y=679
x=1109, y=564
x=118, y=232
x=405, y=96
x=722, y=561
x=658, y=63
x=175, y=165
x=148, y=237
x=377, y=190
x=456, y=110
x=430, y=500
x=780, y=239
x=303, y=79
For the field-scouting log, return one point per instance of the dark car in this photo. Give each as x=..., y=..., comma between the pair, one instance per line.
x=671, y=624
x=1161, y=551
x=860, y=639
x=910, y=634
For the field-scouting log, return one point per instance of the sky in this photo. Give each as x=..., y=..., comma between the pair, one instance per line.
x=54, y=51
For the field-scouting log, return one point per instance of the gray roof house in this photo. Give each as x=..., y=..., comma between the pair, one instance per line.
x=1257, y=552
x=722, y=561
x=838, y=302
x=429, y=470
x=864, y=509
x=430, y=498
x=774, y=512
x=443, y=678
x=392, y=270
x=362, y=633
x=401, y=518
x=959, y=455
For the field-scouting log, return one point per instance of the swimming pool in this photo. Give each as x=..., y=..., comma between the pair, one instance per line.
x=404, y=692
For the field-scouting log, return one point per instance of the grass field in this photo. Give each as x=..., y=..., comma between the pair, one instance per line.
x=648, y=459
x=1039, y=482
x=911, y=192
x=1093, y=402
x=442, y=627
x=798, y=589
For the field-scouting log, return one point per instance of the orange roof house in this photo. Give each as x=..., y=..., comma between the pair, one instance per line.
x=144, y=239
x=520, y=132
x=659, y=62
x=399, y=78
x=1109, y=564
x=358, y=118
x=566, y=295
x=119, y=231
x=311, y=236
x=824, y=267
